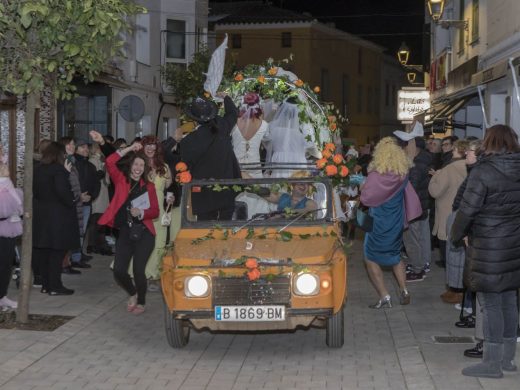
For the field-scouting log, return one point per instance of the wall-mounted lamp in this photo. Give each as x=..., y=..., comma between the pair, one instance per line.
x=411, y=76
x=403, y=54
x=436, y=9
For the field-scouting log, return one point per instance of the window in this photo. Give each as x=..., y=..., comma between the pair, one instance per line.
x=286, y=39
x=325, y=84
x=344, y=94
x=142, y=39
x=474, y=21
x=360, y=61
x=462, y=32
x=176, y=39
x=236, y=41
x=369, y=100
x=387, y=94
x=359, y=98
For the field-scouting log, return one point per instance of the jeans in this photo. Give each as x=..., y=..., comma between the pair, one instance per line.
x=417, y=243
x=76, y=255
x=499, y=315
x=140, y=251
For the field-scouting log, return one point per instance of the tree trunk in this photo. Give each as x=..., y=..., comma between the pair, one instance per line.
x=22, y=313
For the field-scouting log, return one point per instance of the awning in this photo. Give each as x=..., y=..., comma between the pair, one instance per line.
x=444, y=112
x=494, y=72
x=113, y=82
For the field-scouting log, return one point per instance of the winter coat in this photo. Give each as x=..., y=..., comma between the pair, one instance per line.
x=55, y=223
x=100, y=204
x=443, y=188
x=210, y=155
x=420, y=178
x=122, y=189
x=489, y=215
x=88, y=178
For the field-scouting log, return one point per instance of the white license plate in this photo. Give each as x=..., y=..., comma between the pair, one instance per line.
x=249, y=313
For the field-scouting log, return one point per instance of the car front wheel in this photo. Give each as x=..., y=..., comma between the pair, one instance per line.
x=177, y=331
x=335, y=330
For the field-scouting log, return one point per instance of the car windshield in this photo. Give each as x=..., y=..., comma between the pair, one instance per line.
x=256, y=202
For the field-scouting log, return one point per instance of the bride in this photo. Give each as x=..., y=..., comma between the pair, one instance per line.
x=291, y=139
x=249, y=133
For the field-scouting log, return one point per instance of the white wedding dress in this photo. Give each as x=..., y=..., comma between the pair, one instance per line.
x=248, y=150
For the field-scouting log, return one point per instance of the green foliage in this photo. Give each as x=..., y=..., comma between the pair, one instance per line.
x=49, y=42
x=188, y=82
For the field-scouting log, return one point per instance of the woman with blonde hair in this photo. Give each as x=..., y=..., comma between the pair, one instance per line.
x=392, y=202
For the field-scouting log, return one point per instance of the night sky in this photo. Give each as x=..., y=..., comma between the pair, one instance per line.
x=384, y=22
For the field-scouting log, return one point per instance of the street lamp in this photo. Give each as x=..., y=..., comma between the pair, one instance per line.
x=403, y=54
x=436, y=9
x=411, y=77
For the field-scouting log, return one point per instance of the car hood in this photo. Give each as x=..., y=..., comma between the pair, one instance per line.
x=306, y=246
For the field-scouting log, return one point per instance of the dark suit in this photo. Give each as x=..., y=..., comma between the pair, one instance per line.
x=209, y=154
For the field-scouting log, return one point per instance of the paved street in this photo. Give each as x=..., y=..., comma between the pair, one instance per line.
x=105, y=347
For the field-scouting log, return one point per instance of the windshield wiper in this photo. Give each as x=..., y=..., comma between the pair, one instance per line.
x=300, y=216
x=254, y=218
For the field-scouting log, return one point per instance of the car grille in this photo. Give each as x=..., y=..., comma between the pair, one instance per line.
x=240, y=291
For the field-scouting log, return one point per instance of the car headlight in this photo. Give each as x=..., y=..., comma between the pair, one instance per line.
x=196, y=286
x=306, y=284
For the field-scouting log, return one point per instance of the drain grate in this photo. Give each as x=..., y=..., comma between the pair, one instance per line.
x=453, y=339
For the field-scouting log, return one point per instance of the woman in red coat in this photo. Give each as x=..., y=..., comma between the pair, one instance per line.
x=132, y=209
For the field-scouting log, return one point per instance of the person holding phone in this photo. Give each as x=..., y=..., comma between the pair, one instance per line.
x=132, y=210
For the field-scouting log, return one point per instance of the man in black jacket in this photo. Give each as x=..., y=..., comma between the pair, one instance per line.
x=417, y=237
x=89, y=184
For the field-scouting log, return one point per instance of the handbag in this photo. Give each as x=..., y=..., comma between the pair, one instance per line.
x=136, y=231
x=166, y=219
x=364, y=221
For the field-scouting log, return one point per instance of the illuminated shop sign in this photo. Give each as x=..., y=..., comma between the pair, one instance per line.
x=410, y=102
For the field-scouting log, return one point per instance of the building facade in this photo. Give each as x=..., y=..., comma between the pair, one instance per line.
x=346, y=68
x=472, y=78
x=128, y=99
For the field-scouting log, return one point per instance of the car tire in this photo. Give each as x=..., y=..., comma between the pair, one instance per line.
x=335, y=330
x=177, y=331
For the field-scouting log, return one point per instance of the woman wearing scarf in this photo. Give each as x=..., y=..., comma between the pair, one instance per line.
x=393, y=202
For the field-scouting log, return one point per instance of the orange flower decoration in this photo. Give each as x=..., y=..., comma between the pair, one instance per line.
x=260, y=79
x=343, y=171
x=254, y=274
x=330, y=146
x=181, y=167
x=298, y=83
x=251, y=263
x=239, y=77
x=273, y=71
x=331, y=170
x=326, y=153
x=183, y=177
x=333, y=126
x=317, y=89
x=321, y=163
x=331, y=118
x=338, y=158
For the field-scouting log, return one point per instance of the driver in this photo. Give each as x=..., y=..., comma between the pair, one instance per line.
x=297, y=200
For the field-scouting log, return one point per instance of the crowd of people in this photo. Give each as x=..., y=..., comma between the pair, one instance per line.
x=461, y=196
x=465, y=202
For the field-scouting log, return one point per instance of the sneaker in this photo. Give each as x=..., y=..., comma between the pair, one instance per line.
x=476, y=352
x=468, y=310
x=139, y=309
x=415, y=276
x=110, y=240
x=8, y=303
x=37, y=281
x=427, y=267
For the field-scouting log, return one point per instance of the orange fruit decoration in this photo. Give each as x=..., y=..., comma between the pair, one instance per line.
x=333, y=126
x=326, y=153
x=330, y=146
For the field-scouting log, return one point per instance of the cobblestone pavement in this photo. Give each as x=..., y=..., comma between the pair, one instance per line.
x=105, y=347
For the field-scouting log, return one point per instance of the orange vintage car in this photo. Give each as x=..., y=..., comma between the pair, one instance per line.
x=273, y=266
